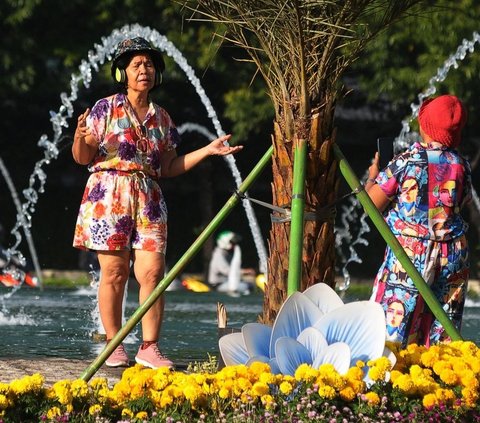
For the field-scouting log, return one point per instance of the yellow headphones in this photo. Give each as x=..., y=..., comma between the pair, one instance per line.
x=121, y=76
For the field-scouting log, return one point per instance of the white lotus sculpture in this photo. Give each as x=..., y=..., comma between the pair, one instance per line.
x=313, y=327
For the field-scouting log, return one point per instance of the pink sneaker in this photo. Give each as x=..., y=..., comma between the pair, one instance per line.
x=118, y=358
x=152, y=357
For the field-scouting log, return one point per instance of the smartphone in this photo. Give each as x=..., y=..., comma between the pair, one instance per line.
x=385, y=151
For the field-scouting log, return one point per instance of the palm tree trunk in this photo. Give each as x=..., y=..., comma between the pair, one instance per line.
x=318, y=259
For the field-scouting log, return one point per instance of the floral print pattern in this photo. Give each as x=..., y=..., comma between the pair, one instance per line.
x=428, y=187
x=123, y=206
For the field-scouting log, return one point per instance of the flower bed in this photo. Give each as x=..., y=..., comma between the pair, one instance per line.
x=439, y=384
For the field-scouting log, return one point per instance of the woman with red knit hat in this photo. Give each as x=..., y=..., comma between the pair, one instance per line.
x=421, y=193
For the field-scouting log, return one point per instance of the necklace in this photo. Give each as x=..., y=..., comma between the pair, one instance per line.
x=141, y=143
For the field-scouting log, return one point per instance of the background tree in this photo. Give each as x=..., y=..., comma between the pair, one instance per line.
x=302, y=49
x=43, y=42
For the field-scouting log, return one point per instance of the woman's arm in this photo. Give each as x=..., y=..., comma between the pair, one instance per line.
x=84, y=143
x=375, y=193
x=173, y=165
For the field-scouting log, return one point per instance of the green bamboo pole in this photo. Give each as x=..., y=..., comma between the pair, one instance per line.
x=297, y=213
x=177, y=268
x=397, y=249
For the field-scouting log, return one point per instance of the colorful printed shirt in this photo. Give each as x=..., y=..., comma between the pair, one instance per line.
x=127, y=144
x=428, y=187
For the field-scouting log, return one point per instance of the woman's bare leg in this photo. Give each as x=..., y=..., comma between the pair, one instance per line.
x=114, y=271
x=149, y=269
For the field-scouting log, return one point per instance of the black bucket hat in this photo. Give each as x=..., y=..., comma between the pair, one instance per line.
x=138, y=45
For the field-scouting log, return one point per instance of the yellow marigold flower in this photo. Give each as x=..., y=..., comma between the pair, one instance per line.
x=267, y=401
x=449, y=377
x=348, y=394
x=243, y=385
x=326, y=392
x=36, y=382
x=445, y=396
x=166, y=400
x=192, y=393
x=416, y=371
x=372, y=398
x=142, y=415
x=354, y=373
x=439, y=366
x=224, y=393
x=469, y=380
x=267, y=377
x=376, y=374
x=242, y=371
x=429, y=401
x=99, y=383
x=360, y=364
x=95, y=409
x=126, y=412
x=394, y=375
x=429, y=357
x=4, y=388
x=404, y=382
x=258, y=368
x=358, y=386
x=160, y=381
x=467, y=347
x=3, y=402
x=286, y=388
x=79, y=388
x=63, y=392
x=459, y=365
x=199, y=378
x=259, y=389
x=53, y=412
x=305, y=373
x=18, y=387
x=470, y=397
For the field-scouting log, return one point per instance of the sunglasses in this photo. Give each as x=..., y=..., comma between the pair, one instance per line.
x=142, y=143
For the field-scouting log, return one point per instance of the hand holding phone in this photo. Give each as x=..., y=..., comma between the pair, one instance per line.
x=385, y=151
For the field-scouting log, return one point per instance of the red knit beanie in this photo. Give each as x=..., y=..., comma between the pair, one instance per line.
x=442, y=119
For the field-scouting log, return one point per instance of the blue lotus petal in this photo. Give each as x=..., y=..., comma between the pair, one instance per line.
x=360, y=324
x=337, y=354
x=296, y=314
x=257, y=338
x=274, y=368
x=233, y=349
x=324, y=297
x=314, y=341
x=290, y=354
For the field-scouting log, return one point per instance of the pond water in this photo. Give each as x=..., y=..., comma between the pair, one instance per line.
x=59, y=323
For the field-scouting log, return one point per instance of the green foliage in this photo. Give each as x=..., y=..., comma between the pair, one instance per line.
x=248, y=108
x=210, y=366
x=399, y=63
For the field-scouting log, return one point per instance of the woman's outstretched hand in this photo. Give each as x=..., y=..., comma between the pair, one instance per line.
x=374, y=168
x=219, y=148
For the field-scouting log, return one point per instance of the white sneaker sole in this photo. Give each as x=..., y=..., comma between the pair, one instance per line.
x=147, y=364
x=117, y=364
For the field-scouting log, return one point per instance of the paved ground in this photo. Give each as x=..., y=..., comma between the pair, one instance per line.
x=55, y=369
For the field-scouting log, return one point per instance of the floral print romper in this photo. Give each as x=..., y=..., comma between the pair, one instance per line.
x=428, y=187
x=123, y=206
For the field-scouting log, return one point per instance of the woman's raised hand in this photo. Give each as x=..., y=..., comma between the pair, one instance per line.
x=218, y=147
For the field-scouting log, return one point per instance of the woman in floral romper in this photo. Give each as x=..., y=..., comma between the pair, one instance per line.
x=129, y=143
x=422, y=191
